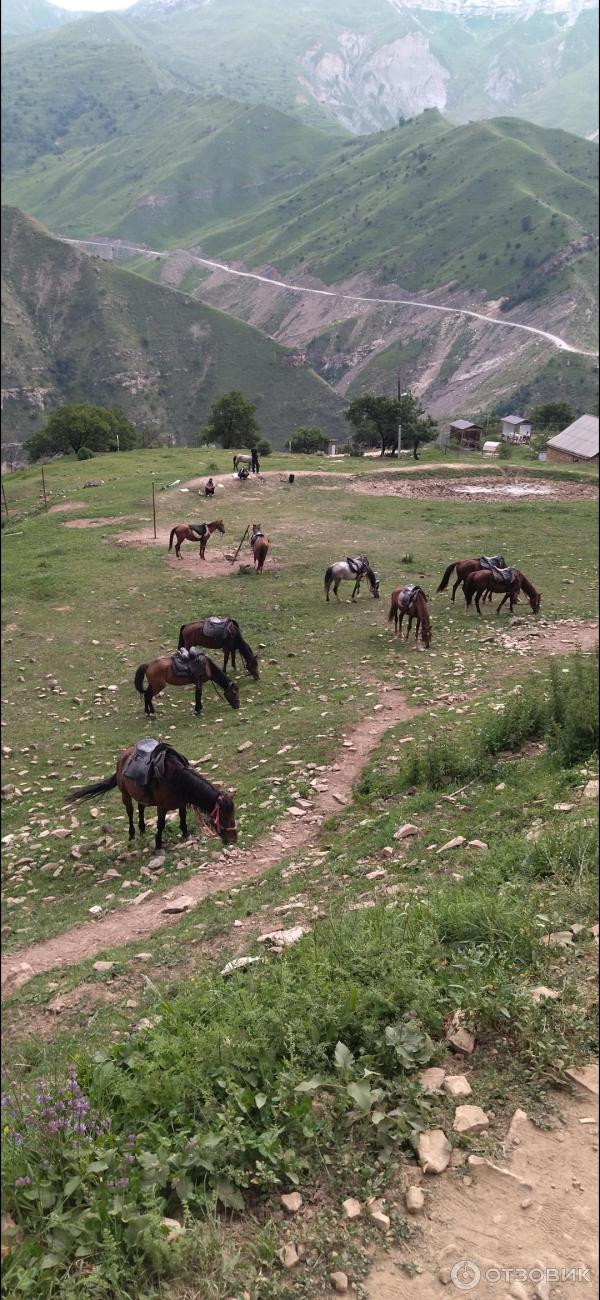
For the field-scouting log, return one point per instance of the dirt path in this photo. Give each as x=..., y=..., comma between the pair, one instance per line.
x=539, y=1214
x=294, y=831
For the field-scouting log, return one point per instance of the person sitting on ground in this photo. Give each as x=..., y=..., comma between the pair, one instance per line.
x=242, y=473
x=209, y=488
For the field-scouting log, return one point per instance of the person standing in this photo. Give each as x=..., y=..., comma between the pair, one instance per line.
x=255, y=464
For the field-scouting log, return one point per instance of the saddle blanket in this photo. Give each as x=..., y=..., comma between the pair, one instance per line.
x=219, y=629
x=410, y=592
x=198, y=529
x=492, y=561
x=357, y=564
x=147, y=762
x=189, y=664
x=506, y=575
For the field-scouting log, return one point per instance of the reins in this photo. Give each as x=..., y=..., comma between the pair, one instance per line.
x=214, y=820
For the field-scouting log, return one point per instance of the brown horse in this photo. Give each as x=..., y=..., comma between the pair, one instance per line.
x=162, y=672
x=463, y=569
x=411, y=601
x=259, y=545
x=179, y=788
x=220, y=634
x=194, y=533
x=477, y=584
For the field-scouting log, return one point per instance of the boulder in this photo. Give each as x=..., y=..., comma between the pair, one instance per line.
x=457, y=1085
x=460, y=1038
x=432, y=1080
x=470, y=1119
x=433, y=1151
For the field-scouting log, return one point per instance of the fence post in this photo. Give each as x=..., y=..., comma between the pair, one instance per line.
x=154, y=510
x=44, y=490
x=4, y=499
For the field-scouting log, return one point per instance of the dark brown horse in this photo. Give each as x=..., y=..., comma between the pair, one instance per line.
x=411, y=602
x=180, y=788
x=479, y=583
x=193, y=533
x=220, y=634
x=259, y=545
x=463, y=569
x=162, y=672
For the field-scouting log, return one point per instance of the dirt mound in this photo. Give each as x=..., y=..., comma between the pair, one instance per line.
x=99, y=521
x=66, y=505
x=492, y=488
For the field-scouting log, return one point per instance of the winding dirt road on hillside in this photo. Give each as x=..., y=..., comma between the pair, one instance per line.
x=121, y=246
x=292, y=832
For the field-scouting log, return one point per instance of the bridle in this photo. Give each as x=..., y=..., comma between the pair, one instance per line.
x=214, y=825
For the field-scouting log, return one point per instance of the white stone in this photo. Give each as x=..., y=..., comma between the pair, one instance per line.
x=246, y=745
x=381, y=1220
x=414, y=1200
x=289, y=1256
x=461, y=1039
x=456, y=843
x=591, y=790
x=104, y=965
x=238, y=963
x=541, y=994
x=352, y=1208
x=174, y=1228
x=457, y=1085
x=283, y=938
x=291, y=1202
x=470, y=1119
x=339, y=1282
x=433, y=1151
x=181, y=904
x=404, y=832
x=477, y=844
x=432, y=1080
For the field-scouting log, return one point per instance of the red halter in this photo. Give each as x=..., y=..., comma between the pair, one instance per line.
x=214, y=820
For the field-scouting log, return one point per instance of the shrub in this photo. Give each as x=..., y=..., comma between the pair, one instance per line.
x=84, y=453
x=264, y=447
x=308, y=440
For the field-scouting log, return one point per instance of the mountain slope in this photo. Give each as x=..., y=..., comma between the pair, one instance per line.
x=77, y=329
x=24, y=17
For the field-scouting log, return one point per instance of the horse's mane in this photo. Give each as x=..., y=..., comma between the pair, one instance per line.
x=195, y=789
x=526, y=585
x=219, y=676
x=246, y=652
x=371, y=576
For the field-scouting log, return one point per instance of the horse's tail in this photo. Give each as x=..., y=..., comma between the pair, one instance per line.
x=392, y=613
x=180, y=642
x=173, y=531
x=446, y=577
x=97, y=787
x=260, y=555
x=235, y=462
x=139, y=678
x=469, y=590
x=328, y=577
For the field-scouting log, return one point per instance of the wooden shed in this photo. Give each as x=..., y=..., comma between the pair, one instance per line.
x=579, y=441
x=466, y=435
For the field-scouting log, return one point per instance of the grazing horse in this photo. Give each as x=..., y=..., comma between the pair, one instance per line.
x=259, y=545
x=174, y=670
x=412, y=601
x=351, y=571
x=240, y=459
x=194, y=533
x=177, y=787
x=477, y=584
x=465, y=567
x=220, y=634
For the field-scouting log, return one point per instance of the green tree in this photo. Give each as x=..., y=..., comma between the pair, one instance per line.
x=375, y=421
x=309, y=440
x=232, y=422
x=69, y=428
x=552, y=415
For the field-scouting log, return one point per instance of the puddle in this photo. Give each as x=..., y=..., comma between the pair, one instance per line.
x=507, y=491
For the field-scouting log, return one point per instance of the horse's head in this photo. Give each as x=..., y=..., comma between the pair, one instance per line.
x=373, y=582
x=535, y=601
x=252, y=666
x=255, y=528
x=219, y=526
x=223, y=819
x=232, y=695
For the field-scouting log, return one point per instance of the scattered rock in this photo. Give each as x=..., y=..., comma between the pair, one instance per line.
x=461, y=1039
x=238, y=963
x=563, y=807
x=457, y=1085
x=477, y=844
x=432, y=1080
x=283, y=938
x=95, y=910
x=414, y=1200
x=560, y=939
x=103, y=965
x=591, y=790
x=433, y=1151
x=541, y=994
x=156, y=862
x=586, y=1077
x=470, y=1119
x=143, y=956
x=291, y=1202
x=379, y=1219
x=289, y=1256
x=456, y=843
x=513, y=1136
x=19, y=975
x=445, y=1276
x=248, y=744
x=339, y=1282
x=352, y=1208
x=182, y=904
x=174, y=1228
x=404, y=832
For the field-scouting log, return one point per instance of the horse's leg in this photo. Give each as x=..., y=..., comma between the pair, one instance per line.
x=356, y=591
x=455, y=587
x=148, y=705
x=160, y=826
x=198, y=698
x=128, y=802
x=477, y=600
x=335, y=590
x=410, y=623
x=327, y=589
x=141, y=818
x=503, y=602
x=183, y=822
x=178, y=549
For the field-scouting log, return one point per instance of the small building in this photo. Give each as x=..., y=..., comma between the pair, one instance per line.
x=491, y=448
x=579, y=441
x=332, y=447
x=466, y=435
x=515, y=428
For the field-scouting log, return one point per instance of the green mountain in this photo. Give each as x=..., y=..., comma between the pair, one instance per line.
x=75, y=328
x=24, y=17
x=363, y=67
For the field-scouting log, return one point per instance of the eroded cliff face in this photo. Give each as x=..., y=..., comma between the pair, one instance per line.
x=368, y=88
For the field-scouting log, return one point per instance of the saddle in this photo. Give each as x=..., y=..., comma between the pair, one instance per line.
x=188, y=664
x=504, y=575
x=492, y=562
x=357, y=564
x=146, y=764
x=410, y=593
x=199, y=529
x=219, y=630
x=255, y=537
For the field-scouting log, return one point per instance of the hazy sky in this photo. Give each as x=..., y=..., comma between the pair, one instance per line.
x=94, y=5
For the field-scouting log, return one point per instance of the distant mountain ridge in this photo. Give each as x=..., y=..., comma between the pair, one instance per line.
x=24, y=17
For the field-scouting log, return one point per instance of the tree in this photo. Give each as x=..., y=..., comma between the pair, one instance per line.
x=552, y=415
x=375, y=421
x=231, y=422
x=309, y=440
x=99, y=428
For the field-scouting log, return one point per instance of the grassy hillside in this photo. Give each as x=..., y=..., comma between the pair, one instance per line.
x=499, y=206
x=75, y=328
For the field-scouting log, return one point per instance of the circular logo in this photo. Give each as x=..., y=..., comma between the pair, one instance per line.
x=465, y=1275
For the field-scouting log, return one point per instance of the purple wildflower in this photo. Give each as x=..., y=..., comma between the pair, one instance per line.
x=23, y=1182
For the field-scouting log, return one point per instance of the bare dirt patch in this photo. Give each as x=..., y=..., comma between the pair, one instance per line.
x=524, y=1218
x=214, y=565
x=485, y=488
x=66, y=505
x=557, y=638
x=99, y=521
